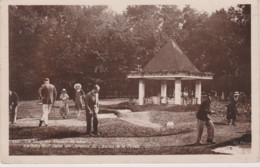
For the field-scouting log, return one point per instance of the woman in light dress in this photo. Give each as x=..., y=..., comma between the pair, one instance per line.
x=79, y=95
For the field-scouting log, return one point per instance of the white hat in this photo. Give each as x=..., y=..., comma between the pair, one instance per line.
x=63, y=90
x=236, y=93
x=77, y=85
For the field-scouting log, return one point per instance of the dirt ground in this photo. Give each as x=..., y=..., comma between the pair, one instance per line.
x=123, y=134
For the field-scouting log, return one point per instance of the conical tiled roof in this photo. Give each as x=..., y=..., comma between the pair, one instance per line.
x=170, y=58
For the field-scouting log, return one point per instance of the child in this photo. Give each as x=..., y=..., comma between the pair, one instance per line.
x=64, y=107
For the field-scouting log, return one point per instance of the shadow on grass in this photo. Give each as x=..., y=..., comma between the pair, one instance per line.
x=243, y=140
x=194, y=144
x=220, y=123
x=244, y=132
x=42, y=133
x=55, y=132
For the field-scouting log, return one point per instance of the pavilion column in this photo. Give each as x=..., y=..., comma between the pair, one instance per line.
x=164, y=89
x=198, y=91
x=141, y=91
x=177, y=91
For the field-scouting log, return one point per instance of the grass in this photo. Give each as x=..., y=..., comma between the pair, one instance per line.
x=183, y=117
x=152, y=107
x=244, y=112
x=184, y=128
x=108, y=127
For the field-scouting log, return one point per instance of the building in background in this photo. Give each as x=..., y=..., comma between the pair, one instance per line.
x=168, y=66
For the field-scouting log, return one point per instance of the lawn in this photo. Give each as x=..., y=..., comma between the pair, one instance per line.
x=173, y=140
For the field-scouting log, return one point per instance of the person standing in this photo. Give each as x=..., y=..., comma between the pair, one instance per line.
x=232, y=108
x=204, y=119
x=64, y=106
x=242, y=99
x=92, y=108
x=48, y=94
x=79, y=94
x=13, y=105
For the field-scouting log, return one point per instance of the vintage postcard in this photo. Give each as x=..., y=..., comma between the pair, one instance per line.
x=129, y=81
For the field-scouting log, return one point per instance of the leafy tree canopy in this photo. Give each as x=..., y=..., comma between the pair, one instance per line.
x=93, y=44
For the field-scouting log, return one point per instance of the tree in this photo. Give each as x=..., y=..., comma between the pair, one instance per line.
x=92, y=44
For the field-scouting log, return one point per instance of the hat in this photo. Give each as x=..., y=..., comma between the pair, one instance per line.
x=77, y=85
x=236, y=93
x=96, y=87
x=63, y=90
x=46, y=79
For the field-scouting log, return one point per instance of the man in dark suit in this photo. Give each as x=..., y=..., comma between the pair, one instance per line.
x=13, y=104
x=204, y=119
x=48, y=94
x=91, y=104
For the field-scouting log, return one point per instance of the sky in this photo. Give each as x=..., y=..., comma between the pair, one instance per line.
x=202, y=6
